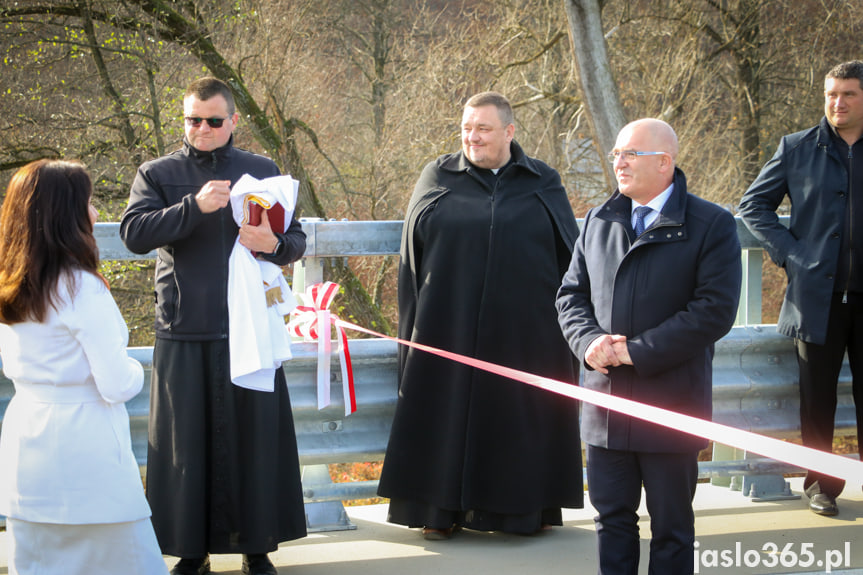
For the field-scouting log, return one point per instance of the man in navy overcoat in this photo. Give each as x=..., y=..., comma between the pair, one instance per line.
x=654, y=282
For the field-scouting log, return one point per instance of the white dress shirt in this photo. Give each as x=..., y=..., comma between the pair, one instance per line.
x=656, y=205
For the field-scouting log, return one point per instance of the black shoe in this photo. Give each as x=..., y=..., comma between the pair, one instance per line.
x=258, y=564
x=192, y=566
x=823, y=504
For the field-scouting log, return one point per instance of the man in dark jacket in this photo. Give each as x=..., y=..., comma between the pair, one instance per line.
x=654, y=282
x=222, y=464
x=820, y=170
x=487, y=237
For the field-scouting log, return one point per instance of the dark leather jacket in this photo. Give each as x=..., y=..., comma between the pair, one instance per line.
x=191, y=279
x=808, y=168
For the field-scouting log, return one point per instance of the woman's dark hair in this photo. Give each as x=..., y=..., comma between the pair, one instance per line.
x=45, y=234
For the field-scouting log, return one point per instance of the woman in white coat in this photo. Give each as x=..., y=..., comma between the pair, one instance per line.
x=69, y=483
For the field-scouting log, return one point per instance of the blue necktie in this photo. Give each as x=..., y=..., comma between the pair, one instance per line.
x=640, y=213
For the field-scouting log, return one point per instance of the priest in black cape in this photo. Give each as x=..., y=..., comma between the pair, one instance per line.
x=487, y=238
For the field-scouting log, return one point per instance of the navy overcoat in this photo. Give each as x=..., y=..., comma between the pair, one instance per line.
x=673, y=292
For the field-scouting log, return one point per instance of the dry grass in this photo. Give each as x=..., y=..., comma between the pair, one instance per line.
x=368, y=471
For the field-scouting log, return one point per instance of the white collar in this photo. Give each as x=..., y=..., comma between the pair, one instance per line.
x=658, y=202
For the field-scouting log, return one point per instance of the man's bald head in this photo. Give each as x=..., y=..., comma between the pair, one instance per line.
x=645, y=176
x=660, y=134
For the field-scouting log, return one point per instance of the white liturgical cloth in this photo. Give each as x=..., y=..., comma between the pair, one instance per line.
x=259, y=297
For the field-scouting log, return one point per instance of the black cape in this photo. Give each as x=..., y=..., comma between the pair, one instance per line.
x=482, y=258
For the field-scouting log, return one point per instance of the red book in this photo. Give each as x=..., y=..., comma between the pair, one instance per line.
x=275, y=214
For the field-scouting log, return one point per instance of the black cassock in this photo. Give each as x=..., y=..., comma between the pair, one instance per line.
x=481, y=261
x=222, y=464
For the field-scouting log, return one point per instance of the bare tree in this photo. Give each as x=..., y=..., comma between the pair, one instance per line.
x=185, y=26
x=353, y=98
x=717, y=70
x=597, y=83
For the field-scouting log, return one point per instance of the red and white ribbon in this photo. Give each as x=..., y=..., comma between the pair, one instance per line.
x=835, y=465
x=312, y=321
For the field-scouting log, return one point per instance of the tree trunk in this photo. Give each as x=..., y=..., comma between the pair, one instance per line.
x=122, y=123
x=747, y=57
x=598, y=89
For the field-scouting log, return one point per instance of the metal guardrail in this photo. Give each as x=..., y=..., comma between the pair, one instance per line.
x=754, y=388
x=755, y=383
x=755, y=370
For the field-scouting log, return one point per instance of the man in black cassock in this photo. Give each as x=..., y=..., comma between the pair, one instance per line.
x=222, y=465
x=487, y=238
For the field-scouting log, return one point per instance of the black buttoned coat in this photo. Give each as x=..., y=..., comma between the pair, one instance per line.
x=673, y=292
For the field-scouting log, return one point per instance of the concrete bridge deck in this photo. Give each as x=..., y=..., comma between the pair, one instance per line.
x=730, y=529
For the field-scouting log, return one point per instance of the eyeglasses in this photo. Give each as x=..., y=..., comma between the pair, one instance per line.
x=630, y=155
x=195, y=122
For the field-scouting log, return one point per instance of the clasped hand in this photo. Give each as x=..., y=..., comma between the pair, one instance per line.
x=607, y=351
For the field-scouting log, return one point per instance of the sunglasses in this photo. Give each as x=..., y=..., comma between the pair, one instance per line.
x=212, y=122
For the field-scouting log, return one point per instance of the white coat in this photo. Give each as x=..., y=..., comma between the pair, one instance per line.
x=65, y=449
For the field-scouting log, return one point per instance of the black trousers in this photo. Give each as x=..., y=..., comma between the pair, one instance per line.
x=819, y=375
x=614, y=482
